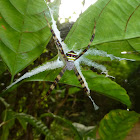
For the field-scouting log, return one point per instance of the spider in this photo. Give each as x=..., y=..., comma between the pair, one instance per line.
x=69, y=59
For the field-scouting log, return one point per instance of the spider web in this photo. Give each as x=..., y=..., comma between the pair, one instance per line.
x=95, y=52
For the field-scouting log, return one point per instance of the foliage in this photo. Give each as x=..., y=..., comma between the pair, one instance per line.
x=117, y=121
x=9, y=117
x=24, y=35
x=120, y=121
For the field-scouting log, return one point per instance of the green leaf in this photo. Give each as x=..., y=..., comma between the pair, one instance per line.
x=4, y=102
x=2, y=67
x=116, y=124
x=23, y=32
x=98, y=83
x=73, y=90
x=9, y=120
x=22, y=122
x=9, y=117
x=87, y=132
x=37, y=124
x=90, y=134
x=65, y=122
x=117, y=28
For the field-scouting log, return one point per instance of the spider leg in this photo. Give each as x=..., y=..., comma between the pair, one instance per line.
x=57, y=42
x=84, y=87
x=81, y=80
x=92, y=38
x=56, y=81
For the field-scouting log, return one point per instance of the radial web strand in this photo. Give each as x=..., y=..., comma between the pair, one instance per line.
x=47, y=66
x=55, y=29
x=105, y=54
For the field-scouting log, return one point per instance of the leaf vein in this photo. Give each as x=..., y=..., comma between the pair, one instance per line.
x=130, y=17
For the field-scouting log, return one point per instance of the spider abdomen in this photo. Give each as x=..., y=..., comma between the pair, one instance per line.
x=69, y=65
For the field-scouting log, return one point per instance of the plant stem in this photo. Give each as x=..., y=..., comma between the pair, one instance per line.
x=12, y=78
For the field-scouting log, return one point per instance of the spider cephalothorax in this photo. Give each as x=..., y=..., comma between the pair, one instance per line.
x=71, y=55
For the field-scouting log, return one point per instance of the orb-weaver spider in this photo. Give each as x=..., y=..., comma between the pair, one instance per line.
x=69, y=59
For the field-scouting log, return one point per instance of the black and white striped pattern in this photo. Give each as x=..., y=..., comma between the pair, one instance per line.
x=57, y=42
x=92, y=38
x=81, y=81
x=57, y=79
